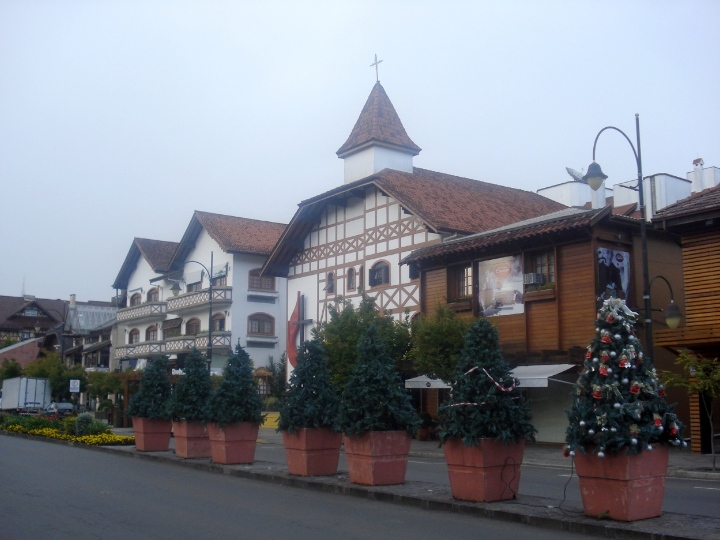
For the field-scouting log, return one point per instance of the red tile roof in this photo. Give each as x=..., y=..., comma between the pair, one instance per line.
x=157, y=253
x=23, y=353
x=378, y=124
x=452, y=203
x=703, y=201
x=532, y=231
x=241, y=235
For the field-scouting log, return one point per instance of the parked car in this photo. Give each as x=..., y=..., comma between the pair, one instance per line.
x=60, y=409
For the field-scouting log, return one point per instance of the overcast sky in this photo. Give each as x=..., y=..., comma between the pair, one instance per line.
x=119, y=119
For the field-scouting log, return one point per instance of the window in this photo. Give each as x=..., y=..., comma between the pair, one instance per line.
x=361, y=278
x=351, y=279
x=260, y=324
x=134, y=336
x=542, y=268
x=194, y=287
x=379, y=274
x=218, y=322
x=136, y=299
x=31, y=312
x=459, y=282
x=260, y=283
x=153, y=295
x=171, y=332
x=220, y=281
x=330, y=284
x=151, y=334
x=192, y=328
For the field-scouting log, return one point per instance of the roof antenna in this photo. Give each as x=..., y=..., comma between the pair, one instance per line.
x=375, y=65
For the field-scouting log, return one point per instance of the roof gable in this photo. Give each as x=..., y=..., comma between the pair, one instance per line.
x=157, y=253
x=378, y=124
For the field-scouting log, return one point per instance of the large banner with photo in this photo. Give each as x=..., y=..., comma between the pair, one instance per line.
x=501, y=286
x=614, y=272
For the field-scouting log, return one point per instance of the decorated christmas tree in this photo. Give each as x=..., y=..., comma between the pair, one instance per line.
x=486, y=401
x=619, y=401
x=237, y=398
x=311, y=400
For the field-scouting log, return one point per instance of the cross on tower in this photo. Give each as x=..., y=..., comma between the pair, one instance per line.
x=375, y=65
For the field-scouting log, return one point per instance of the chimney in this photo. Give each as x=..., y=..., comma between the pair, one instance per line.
x=697, y=176
x=72, y=300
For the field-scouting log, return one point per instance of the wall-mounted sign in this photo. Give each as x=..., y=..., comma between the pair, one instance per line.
x=501, y=286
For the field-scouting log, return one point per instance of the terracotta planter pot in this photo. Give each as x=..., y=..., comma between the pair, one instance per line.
x=377, y=458
x=312, y=451
x=623, y=487
x=484, y=473
x=191, y=439
x=151, y=435
x=233, y=444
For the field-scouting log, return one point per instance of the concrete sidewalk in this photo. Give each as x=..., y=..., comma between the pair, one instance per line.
x=534, y=511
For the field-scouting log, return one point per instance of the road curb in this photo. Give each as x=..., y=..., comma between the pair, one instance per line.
x=533, y=511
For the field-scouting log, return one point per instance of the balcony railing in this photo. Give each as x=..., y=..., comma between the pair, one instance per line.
x=140, y=350
x=221, y=296
x=148, y=310
x=221, y=341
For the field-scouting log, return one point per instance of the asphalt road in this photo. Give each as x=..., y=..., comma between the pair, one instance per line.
x=50, y=491
x=683, y=496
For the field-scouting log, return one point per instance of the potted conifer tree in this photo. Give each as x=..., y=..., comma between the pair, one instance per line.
x=620, y=425
x=377, y=417
x=486, y=423
x=308, y=411
x=234, y=412
x=149, y=408
x=187, y=408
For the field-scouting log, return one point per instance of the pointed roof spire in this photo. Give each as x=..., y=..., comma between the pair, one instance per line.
x=379, y=125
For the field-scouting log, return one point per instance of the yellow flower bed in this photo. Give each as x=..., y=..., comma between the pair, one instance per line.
x=104, y=439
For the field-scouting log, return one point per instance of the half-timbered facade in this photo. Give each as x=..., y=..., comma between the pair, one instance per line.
x=167, y=307
x=350, y=240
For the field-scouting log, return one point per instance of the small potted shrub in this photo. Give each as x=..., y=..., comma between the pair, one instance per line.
x=377, y=417
x=486, y=423
x=620, y=425
x=149, y=408
x=187, y=408
x=307, y=415
x=234, y=412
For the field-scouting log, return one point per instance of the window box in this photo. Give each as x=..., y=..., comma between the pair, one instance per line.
x=461, y=304
x=543, y=294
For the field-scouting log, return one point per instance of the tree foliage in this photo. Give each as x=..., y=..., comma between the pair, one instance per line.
x=151, y=400
x=192, y=390
x=311, y=400
x=278, y=370
x=373, y=398
x=699, y=376
x=50, y=366
x=101, y=384
x=342, y=334
x=485, y=402
x=237, y=398
x=9, y=370
x=436, y=342
x=620, y=403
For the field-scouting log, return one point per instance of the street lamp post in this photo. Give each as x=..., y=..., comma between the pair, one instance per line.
x=595, y=177
x=176, y=290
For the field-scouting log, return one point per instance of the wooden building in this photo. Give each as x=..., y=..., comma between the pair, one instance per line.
x=539, y=282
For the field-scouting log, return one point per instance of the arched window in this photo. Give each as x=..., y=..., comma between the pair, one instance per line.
x=350, y=279
x=151, y=334
x=218, y=322
x=134, y=336
x=330, y=283
x=361, y=278
x=260, y=283
x=153, y=295
x=260, y=324
x=136, y=299
x=379, y=274
x=192, y=328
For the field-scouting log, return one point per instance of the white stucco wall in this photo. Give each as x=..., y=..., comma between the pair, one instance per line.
x=375, y=159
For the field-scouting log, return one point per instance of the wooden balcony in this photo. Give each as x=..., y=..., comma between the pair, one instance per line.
x=144, y=349
x=183, y=344
x=222, y=296
x=146, y=311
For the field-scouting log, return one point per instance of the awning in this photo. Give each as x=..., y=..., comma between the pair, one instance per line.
x=528, y=376
x=171, y=323
x=538, y=376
